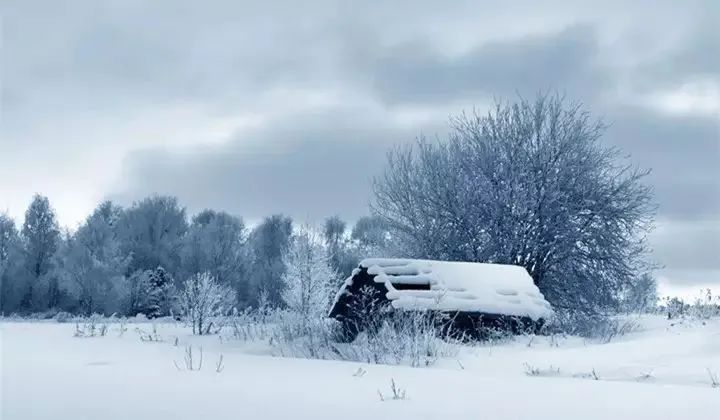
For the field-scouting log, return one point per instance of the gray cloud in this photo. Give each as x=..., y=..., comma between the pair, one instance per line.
x=310, y=166
x=567, y=60
x=689, y=245
x=696, y=57
x=683, y=152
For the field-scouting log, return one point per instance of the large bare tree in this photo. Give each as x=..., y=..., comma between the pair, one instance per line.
x=531, y=184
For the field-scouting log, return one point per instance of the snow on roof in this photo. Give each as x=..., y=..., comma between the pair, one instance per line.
x=459, y=286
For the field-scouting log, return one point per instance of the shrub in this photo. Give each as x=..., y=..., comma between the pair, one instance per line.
x=92, y=326
x=204, y=303
x=408, y=338
x=602, y=327
x=63, y=317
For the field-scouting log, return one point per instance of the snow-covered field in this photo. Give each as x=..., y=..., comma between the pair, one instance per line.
x=660, y=372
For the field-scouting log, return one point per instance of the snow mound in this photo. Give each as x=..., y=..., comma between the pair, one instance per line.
x=458, y=286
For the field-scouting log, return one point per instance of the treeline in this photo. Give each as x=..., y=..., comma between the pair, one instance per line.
x=132, y=260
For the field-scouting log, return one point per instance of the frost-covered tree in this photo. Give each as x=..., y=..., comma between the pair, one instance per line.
x=268, y=242
x=151, y=293
x=309, y=276
x=215, y=243
x=40, y=236
x=641, y=295
x=151, y=232
x=138, y=290
x=161, y=293
x=372, y=238
x=340, y=254
x=531, y=184
x=91, y=263
x=11, y=264
x=203, y=300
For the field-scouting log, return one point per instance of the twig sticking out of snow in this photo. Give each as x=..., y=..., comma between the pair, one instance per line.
x=219, y=364
x=531, y=370
x=91, y=327
x=645, y=376
x=122, y=329
x=555, y=340
x=149, y=336
x=360, y=373
x=189, y=360
x=591, y=375
x=397, y=392
x=714, y=379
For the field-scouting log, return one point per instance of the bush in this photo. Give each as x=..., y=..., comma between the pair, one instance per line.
x=602, y=327
x=204, y=303
x=406, y=338
x=93, y=326
x=63, y=317
x=705, y=306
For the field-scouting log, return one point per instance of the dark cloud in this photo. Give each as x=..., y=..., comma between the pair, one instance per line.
x=683, y=152
x=564, y=60
x=310, y=166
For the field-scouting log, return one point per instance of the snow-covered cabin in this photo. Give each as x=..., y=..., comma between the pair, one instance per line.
x=473, y=294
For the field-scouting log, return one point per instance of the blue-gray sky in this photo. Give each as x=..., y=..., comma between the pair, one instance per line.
x=286, y=106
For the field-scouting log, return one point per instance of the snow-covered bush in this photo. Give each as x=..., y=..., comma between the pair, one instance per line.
x=531, y=370
x=63, y=316
x=294, y=335
x=251, y=325
x=601, y=327
x=705, y=306
x=149, y=336
x=93, y=326
x=204, y=303
x=407, y=338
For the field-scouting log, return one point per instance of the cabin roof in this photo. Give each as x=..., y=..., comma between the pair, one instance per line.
x=454, y=286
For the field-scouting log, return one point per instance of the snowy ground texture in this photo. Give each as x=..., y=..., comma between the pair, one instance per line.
x=660, y=372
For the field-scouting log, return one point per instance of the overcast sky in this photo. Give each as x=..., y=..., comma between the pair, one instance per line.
x=289, y=106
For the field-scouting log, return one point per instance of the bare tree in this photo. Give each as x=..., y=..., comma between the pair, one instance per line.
x=309, y=276
x=642, y=295
x=528, y=184
x=202, y=301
